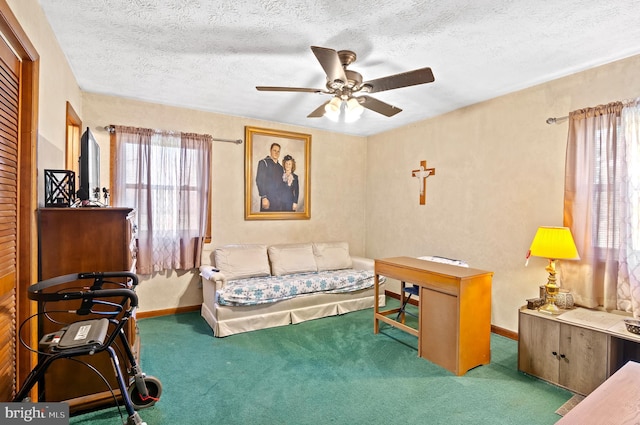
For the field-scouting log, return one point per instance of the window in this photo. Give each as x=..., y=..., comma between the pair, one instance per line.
x=73, y=132
x=602, y=197
x=166, y=177
x=607, y=183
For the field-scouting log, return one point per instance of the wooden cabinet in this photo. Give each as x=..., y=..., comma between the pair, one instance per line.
x=75, y=240
x=570, y=356
x=581, y=350
x=578, y=352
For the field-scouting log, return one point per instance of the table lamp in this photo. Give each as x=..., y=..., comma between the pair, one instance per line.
x=554, y=243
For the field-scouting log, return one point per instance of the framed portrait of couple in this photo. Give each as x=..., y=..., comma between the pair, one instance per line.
x=276, y=177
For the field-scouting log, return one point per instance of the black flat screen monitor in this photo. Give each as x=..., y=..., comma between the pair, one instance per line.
x=89, y=166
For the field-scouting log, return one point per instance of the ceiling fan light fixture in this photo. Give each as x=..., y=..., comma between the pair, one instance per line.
x=366, y=88
x=354, y=106
x=342, y=84
x=332, y=109
x=335, y=84
x=353, y=110
x=333, y=106
x=333, y=116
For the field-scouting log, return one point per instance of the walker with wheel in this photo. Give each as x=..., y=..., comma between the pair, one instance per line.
x=108, y=311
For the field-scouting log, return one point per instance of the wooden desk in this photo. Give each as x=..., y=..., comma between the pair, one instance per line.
x=613, y=402
x=454, y=328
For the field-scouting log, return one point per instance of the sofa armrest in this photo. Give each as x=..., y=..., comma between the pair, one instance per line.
x=213, y=275
x=212, y=281
x=362, y=263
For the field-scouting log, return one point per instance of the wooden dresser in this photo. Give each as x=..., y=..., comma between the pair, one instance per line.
x=76, y=240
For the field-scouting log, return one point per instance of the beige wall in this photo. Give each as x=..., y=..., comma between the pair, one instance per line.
x=338, y=176
x=57, y=85
x=499, y=175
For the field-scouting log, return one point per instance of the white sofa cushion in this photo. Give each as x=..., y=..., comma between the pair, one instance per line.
x=332, y=255
x=242, y=261
x=291, y=258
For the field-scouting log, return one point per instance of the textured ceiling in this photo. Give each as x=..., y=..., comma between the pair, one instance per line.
x=210, y=55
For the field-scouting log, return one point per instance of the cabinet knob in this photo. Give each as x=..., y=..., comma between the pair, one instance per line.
x=555, y=354
x=562, y=356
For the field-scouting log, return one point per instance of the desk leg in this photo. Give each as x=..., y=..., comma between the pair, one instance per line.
x=403, y=296
x=376, y=309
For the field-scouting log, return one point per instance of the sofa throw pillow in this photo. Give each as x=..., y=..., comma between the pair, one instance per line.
x=291, y=258
x=242, y=261
x=332, y=255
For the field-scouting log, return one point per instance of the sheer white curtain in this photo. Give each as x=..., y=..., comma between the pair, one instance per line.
x=629, y=277
x=600, y=194
x=165, y=177
x=592, y=199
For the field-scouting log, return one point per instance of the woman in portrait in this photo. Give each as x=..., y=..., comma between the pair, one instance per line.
x=290, y=189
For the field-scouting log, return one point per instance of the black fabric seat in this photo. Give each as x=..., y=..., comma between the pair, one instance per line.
x=409, y=292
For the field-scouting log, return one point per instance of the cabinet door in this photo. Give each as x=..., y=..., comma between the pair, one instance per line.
x=583, y=358
x=439, y=329
x=538, y=350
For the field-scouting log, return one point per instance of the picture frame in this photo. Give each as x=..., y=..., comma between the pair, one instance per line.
x=271, y=192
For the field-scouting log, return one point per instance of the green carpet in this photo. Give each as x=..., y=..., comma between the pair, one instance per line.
x=327, y=371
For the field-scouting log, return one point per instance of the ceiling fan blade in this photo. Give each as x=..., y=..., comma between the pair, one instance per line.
x=405, y=79
x=330, y=62
x=295, y=89
x=378, y=106
x=318, y=112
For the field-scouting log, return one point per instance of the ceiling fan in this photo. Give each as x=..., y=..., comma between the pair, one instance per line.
x=348, y=86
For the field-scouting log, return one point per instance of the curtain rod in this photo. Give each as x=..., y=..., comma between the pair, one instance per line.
x=111, y=129
x=554, y=120
x=626, y=102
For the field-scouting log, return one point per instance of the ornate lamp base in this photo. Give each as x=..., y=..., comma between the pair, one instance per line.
x=552, y=290
x=550, y=308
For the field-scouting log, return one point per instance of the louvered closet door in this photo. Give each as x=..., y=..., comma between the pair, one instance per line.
x=9, y=95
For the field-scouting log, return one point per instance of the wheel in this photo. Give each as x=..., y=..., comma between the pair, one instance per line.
x=154, y=388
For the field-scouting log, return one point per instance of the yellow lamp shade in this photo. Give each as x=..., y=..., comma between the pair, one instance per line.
x=554, y=243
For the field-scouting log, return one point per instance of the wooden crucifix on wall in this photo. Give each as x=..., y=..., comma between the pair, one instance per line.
x=422, y=175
